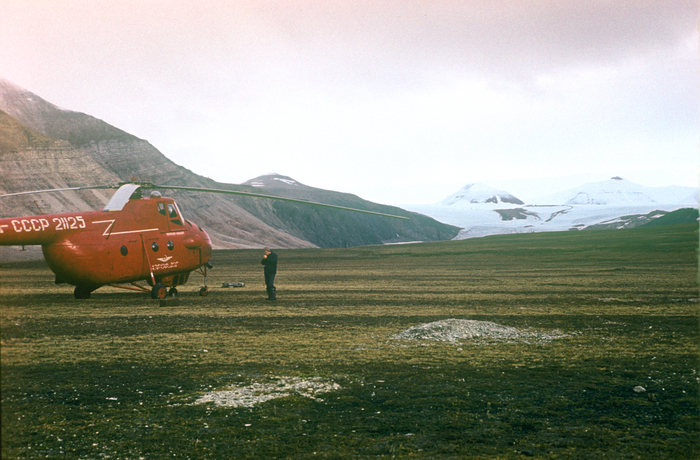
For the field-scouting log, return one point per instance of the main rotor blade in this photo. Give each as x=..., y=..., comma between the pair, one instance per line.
x=59, y=190
x=148, y=185
x=272, y=197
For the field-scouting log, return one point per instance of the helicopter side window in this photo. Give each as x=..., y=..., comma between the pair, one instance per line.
x=161, y=208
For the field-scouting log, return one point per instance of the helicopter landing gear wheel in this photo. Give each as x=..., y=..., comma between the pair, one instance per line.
x=159, y=291
x=172, y=292
x=81, y=292
x=204, y=291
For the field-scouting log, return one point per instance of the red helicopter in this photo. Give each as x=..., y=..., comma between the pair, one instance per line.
x=133, y=238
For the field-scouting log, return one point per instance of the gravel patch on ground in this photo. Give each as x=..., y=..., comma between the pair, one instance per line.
x=281, y=387
x=479, y=332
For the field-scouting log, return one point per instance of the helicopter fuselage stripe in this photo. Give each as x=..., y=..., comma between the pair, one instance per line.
x=136, y=231
x=111, y=224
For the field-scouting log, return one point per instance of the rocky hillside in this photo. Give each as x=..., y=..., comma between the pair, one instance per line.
x=43, y=147
x=340, y=228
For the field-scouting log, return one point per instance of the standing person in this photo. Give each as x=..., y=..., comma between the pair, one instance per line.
x=269, y=260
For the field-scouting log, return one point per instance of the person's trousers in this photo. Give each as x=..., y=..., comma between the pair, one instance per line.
x=270, y=285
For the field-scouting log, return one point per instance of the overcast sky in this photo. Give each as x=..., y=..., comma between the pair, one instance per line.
x=397, y=101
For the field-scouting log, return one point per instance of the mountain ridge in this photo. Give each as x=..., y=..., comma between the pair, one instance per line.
x=53, y=121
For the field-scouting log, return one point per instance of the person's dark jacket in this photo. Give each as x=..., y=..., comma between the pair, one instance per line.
x=270, y=263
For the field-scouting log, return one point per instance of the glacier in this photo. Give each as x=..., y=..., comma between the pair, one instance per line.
x=481, y=210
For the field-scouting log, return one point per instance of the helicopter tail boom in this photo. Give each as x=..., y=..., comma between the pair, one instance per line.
x=38, y=230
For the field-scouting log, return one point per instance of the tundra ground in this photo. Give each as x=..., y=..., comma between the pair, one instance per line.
x=325, y=371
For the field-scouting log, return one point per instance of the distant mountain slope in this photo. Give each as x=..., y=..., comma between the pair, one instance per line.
x=680, y=216
x=44, y=147
x=296, y=219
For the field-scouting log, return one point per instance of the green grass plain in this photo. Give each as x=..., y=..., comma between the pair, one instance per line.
x=115, y=376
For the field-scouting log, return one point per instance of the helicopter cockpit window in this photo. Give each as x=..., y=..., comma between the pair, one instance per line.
x=161, y=208
x=173, y=214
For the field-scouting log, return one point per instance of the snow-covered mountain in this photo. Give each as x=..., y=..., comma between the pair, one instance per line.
x=620, y=192
x=273, y=180
x=615, y=203
x=480, y=193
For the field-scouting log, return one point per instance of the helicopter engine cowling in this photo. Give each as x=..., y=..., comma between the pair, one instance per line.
x=193, y=242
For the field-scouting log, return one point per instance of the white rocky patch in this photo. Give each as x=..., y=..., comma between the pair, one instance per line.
x=455, y=330
x=281, y=387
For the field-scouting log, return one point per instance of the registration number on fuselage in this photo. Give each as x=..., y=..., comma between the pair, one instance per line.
x=41, y=224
